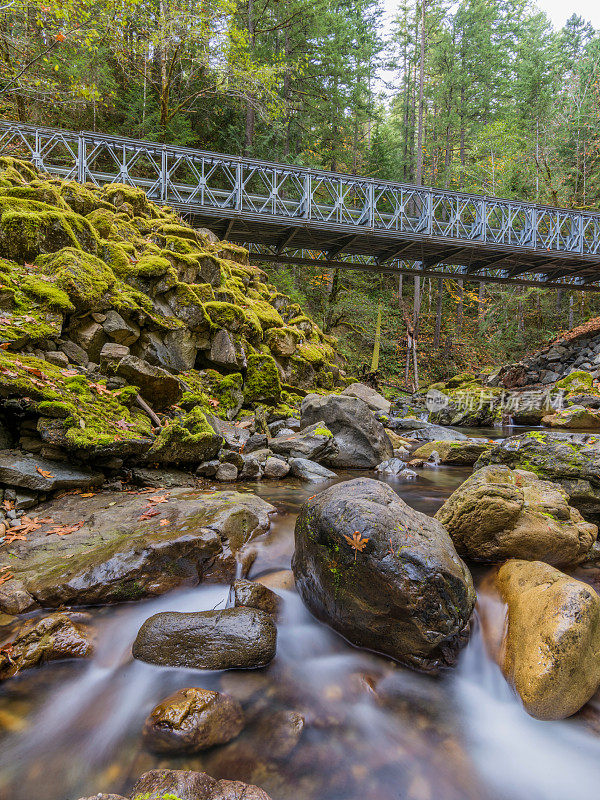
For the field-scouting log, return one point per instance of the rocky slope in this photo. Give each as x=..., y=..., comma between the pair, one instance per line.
x=128, y=337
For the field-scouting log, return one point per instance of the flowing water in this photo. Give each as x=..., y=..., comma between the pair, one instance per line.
x=373, y=730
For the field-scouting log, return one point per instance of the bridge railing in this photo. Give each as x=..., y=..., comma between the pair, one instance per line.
x=228, y=185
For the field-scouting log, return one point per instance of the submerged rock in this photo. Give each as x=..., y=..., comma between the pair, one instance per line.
x=231, y=638
x=571, y=459
x=124, y=550
x=361, y=440
x=550, y=648
x=499, y=513
x=54, y=638
x=192, y=720
x=160, y=784
x=383, y=575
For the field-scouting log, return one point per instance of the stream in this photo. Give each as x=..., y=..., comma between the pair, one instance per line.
x=373, y=729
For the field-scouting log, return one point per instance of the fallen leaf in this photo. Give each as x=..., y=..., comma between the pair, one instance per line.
x=89, y=494
x=357, y=542
x=165, y=522
x=151, y=512
x=44, y=473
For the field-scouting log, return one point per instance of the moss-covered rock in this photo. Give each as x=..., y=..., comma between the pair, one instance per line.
x=576, y=381
x=190, y=440
x=262, y=380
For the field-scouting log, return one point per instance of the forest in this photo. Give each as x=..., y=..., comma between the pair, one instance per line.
x=483, y=96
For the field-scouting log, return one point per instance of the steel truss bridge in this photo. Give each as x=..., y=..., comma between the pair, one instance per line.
x=297, y=215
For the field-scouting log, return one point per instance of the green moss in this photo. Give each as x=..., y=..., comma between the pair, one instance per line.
x=102, y=220
x=226, y=315
x=151, y=266
x=56, y=409
x=84, y=278
x=577, y=380
x=321, y=430
x=188, y=441
x=119, y=194
x=262, y=382
x=47, y=293
x=268, y=316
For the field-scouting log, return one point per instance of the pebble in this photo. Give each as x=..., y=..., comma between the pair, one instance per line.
x=15, y=523
x=11, y=514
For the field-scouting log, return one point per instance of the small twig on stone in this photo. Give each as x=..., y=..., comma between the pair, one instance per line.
x=145, y=407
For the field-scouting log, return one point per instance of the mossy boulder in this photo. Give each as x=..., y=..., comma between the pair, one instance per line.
x=499, y=513
x=85, y=279
x=570, y=459
x=262, y=383
x=576, y=381
x=190, y=440
x=573, y=417
x=464, y=453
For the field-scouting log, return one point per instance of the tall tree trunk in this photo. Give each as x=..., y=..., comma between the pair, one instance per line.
x=571, y=320
x=419, y=166
x=481, y=304
x=460, y=308
x=250, y=115
x=438, y=313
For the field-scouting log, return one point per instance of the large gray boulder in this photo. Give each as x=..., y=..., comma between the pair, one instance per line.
x=570, y=459
x=382, y=574
x=360, y=439
x=370, y=396
x=231, y=638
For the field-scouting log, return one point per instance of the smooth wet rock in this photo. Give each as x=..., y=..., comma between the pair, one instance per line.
x=276, y=468
x=156, y=385
x=400, y=589
x=314, y=442
x=254, y=595
x=53, y=638
x=230, y=638
x=308, y=470
x=571, y=459
x=280, y=579
x=392, y=466
x=192, y=720
x=164, y=784
x=42, y=475
x=550, y=652
x=120, y=553
x=463, y=453
x=226, y=472
x=499, y=513
x=360, y=439
x=162, y=478
x=370, y=396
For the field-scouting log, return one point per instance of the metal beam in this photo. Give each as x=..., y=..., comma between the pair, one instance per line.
x=261, y=202
x=402, y=268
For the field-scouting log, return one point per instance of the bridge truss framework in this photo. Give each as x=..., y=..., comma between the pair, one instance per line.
x=296, y=215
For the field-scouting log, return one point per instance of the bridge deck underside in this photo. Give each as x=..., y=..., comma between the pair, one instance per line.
x=383, y=251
